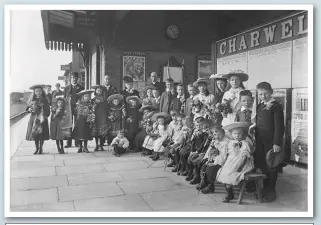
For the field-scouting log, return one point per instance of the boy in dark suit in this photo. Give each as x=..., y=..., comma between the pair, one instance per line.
x=178, y=103
x=167, y=96
x=70, y=92
x=154, y=82
x=269, y=135
x=108, y=88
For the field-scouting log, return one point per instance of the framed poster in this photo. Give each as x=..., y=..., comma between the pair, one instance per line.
x=134, y=66
x=204, y=68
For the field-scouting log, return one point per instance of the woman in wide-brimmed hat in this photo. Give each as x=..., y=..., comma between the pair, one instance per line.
x=220, y=86
x=38, y=128
x=85, y=118
x=116, y=115
x=204, y=94
x=232, y=96
x=132, y=119
x=129, y=89
x=100, y=126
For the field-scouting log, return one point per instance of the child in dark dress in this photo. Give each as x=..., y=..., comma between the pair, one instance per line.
x=100, y=126
x=38, y=129
x=58, y=116
x=116, y=116
x=84, y=120
x=269, y=135
x=133, y=118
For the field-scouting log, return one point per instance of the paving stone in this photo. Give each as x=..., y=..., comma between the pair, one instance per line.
x=117, y=203
x=125, y=166
x=36, y=164
x=54, y=207
x=150, y=185
x=69, y=156
x=127, y=159
x=38, y=182
x=143, y=174
x=90, y=178
x=13, y=166
x=35, y=172
x=294, y=200
x=42, y=158
x=25, y=151
x=82, y=161
x=80, y=169
x=20, y=198
x=89, y=191
x=174, y=199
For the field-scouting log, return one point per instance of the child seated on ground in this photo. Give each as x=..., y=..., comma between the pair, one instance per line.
x=214, y=157
x=119, y=144
x=239, y=160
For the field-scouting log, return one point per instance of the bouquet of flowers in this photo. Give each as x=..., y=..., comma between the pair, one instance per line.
x=224, y=108
x=91, y=115
x=213, y=113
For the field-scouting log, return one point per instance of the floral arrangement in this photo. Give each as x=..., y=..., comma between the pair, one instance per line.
x=224, y=108
x=91, y=115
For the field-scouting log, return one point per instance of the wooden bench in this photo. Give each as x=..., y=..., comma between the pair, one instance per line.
x=256, y=177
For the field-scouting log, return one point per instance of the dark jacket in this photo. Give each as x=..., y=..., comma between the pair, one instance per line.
x=176, y=104
x=159, y=86
x=68, y=94
x=242, y=117
x=111, y=90
x=165, y=101
x=270, y=123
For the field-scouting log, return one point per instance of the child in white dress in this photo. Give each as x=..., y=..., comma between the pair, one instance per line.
x=232, y=96
x=239, y=160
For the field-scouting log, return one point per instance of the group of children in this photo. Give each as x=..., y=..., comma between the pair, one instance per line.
x=182, y=129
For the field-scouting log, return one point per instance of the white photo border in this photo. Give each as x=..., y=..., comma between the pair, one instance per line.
x=8, y=213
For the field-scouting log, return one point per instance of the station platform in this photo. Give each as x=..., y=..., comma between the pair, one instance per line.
x=99, y=181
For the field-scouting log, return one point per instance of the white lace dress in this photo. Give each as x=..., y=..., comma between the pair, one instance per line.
x=233, y=97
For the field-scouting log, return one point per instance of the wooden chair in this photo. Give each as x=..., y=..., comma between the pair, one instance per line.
x=256, y=177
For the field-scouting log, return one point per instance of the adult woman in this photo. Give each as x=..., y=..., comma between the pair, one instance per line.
x=232, y=96
x=204, y=95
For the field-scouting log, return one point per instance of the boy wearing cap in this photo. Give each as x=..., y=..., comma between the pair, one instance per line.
x=167, y=96
x=70, y=92
x=269, y=135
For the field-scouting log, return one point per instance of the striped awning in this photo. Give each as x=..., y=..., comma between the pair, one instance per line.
x=64, y=46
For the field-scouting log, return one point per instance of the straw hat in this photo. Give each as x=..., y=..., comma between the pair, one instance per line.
x=241, y=74
x=128, y=79
x=201, y=80
x=273, y=159
x=160, y=114
x=97, y=86
x=115, y=96
x=134, y=97
x=218, y=76
x=235, y=125
x=33, y=87
x=83, y=92
x=60, y=97
x=146, y=106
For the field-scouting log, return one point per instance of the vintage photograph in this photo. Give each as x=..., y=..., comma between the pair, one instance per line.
x=159, y=112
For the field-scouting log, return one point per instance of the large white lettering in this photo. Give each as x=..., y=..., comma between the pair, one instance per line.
x=232, y=45
x=269, y=33
x=255, y=38
x=301, y=25
x=286, y=29
x=223, y=48
x=242, y=44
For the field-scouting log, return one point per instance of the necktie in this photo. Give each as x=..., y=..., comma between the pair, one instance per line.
x=247, y=114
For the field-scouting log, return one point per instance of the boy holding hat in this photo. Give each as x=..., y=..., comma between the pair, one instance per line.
x=167, y=96
x=269, y=136
x=85, y=117
x=70, y=93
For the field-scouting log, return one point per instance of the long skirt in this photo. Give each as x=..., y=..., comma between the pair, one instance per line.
x=234, y=169
x=158, y=144
x=31, y=135
x=148, y=143
x=82, y=129
x=56, y=132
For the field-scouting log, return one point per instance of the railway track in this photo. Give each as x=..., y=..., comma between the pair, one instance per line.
x=18, y=117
